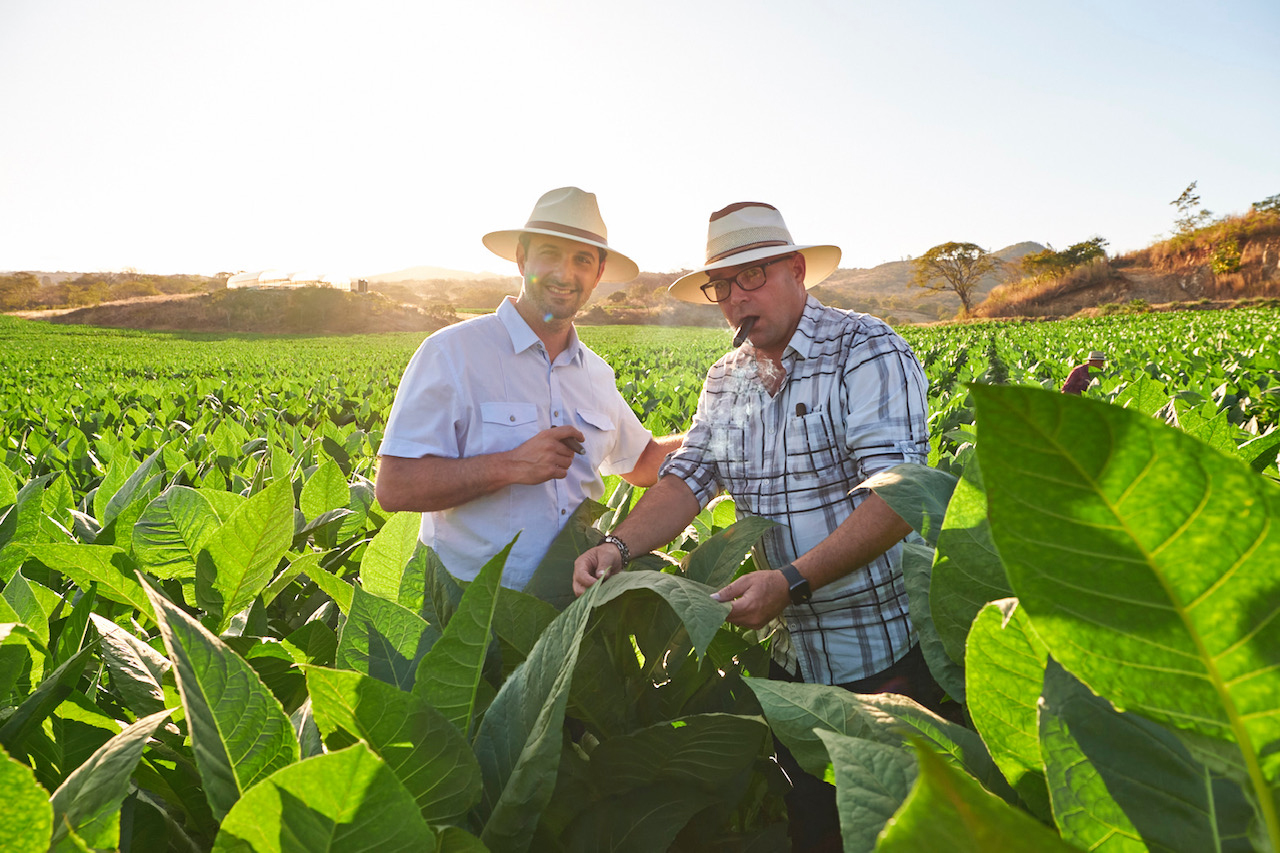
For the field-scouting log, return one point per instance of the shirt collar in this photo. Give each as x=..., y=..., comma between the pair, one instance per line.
x=802, y=340
x=523, y=337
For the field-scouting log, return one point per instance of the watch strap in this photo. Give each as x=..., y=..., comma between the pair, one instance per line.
x=797, y=584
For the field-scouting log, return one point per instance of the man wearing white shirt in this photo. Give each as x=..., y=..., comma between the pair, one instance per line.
x=504, y=424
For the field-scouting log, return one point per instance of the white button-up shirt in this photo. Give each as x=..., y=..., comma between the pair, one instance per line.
x=486, y=386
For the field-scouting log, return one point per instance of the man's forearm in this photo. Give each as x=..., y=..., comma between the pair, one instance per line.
x=661, y=514
x=868, y=532
x=434, y=483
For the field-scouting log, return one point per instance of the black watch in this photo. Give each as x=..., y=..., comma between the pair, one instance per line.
x=797, y=584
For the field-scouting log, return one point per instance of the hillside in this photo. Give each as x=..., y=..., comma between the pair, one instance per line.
x=304, y=311
x=1237, y=258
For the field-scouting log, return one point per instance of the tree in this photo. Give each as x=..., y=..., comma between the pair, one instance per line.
x=1270, y=204
x=1188, y=219
x=953, y=266
x=1052, y=264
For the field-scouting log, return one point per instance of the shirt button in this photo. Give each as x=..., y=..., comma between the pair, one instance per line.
x=513, y=418
x=556, y=413
x=562, y=512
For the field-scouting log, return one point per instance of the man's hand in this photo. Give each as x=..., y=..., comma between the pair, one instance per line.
x=758, y=598
x=546, y=456
x=595, y=565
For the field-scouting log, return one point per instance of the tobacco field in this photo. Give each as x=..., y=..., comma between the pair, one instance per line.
x=212, y=638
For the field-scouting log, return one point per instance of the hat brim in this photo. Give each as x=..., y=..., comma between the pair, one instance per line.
x=617, y=266
x=820, y=263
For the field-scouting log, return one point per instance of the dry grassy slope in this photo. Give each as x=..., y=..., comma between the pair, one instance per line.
x=1173, y=273
x=302, y=311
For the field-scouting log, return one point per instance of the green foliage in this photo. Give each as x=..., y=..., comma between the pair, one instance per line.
x=1226, y=257
x=211, y=637
x=1270, y=204
x=1053, y=264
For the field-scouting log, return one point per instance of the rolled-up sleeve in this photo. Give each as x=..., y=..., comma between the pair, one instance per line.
x=885, y=404
x=426, y=418
x=693, y=462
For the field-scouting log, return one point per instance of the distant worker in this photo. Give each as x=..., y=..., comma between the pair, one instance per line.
x=1079, y=378
x=503, y=424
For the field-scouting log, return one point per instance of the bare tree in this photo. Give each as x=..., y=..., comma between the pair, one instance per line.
x=957, y=267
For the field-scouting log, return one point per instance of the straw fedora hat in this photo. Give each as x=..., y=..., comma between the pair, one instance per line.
x=570, y=213
x=751, y=231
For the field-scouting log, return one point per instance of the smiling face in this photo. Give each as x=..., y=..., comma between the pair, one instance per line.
x=559, y=276
x=776, y=305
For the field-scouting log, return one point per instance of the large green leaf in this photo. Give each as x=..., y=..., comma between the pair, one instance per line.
x=383, y=639
x=106, y=565
x=449, y=676
x=1147, y=563
x=1004, y=667
x=648, y=784
x=1121, y=782
x=872, y=782
x=24, y=600
x=172, y=530
x=241, y=556
x=26, y=821
x=795, y=710
x=109, y=503
x=552, y=581
x=917, y=575
x=344, y=801
x=335, y=587
x=518, y=742
x=88, y=802
x=325, y=490
x=426, y=752
x=239, y=732
x=383, y=565
x=136, y=669
x=715, y=561
x=20, y=525
x=949, y=811
x=967, y=572
x=917, y=493
x=49, y=695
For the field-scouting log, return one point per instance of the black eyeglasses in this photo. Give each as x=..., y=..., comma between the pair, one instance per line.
x=752, y=278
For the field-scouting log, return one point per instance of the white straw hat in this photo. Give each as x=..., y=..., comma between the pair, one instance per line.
x=751, y=231
x=570, y=213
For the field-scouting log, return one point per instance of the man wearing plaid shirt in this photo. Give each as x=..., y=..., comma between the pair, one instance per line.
x=812, y=402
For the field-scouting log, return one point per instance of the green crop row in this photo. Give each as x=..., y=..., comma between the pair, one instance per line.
x=211, y=636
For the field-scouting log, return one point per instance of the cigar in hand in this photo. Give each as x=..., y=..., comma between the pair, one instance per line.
x=574, y=445
x=743, y=331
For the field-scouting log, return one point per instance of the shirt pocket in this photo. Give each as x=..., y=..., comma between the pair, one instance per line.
x=810, y=446
x=506, y=426
x=599, y=432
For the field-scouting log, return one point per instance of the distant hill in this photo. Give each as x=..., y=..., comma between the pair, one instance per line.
x=886, y=289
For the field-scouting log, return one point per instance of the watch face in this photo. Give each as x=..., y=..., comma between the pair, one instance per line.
x=800, y=592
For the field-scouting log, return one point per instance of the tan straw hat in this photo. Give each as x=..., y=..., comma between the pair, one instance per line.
x=751, y=231
x=1097, y=356
x=570, y=213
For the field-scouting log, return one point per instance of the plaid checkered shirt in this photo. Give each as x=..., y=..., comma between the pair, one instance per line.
x=852, y=404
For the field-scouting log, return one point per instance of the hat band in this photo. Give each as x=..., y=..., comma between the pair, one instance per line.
x=565, y=229
x=739, y=249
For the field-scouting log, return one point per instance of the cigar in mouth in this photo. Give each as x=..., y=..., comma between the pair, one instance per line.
x=574, y=445
x=743, y=331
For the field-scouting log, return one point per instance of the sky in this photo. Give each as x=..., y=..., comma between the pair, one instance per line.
x=359, y=138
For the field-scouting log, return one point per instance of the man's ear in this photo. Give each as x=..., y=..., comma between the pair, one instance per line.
x=520, y=258
x=798, y=267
